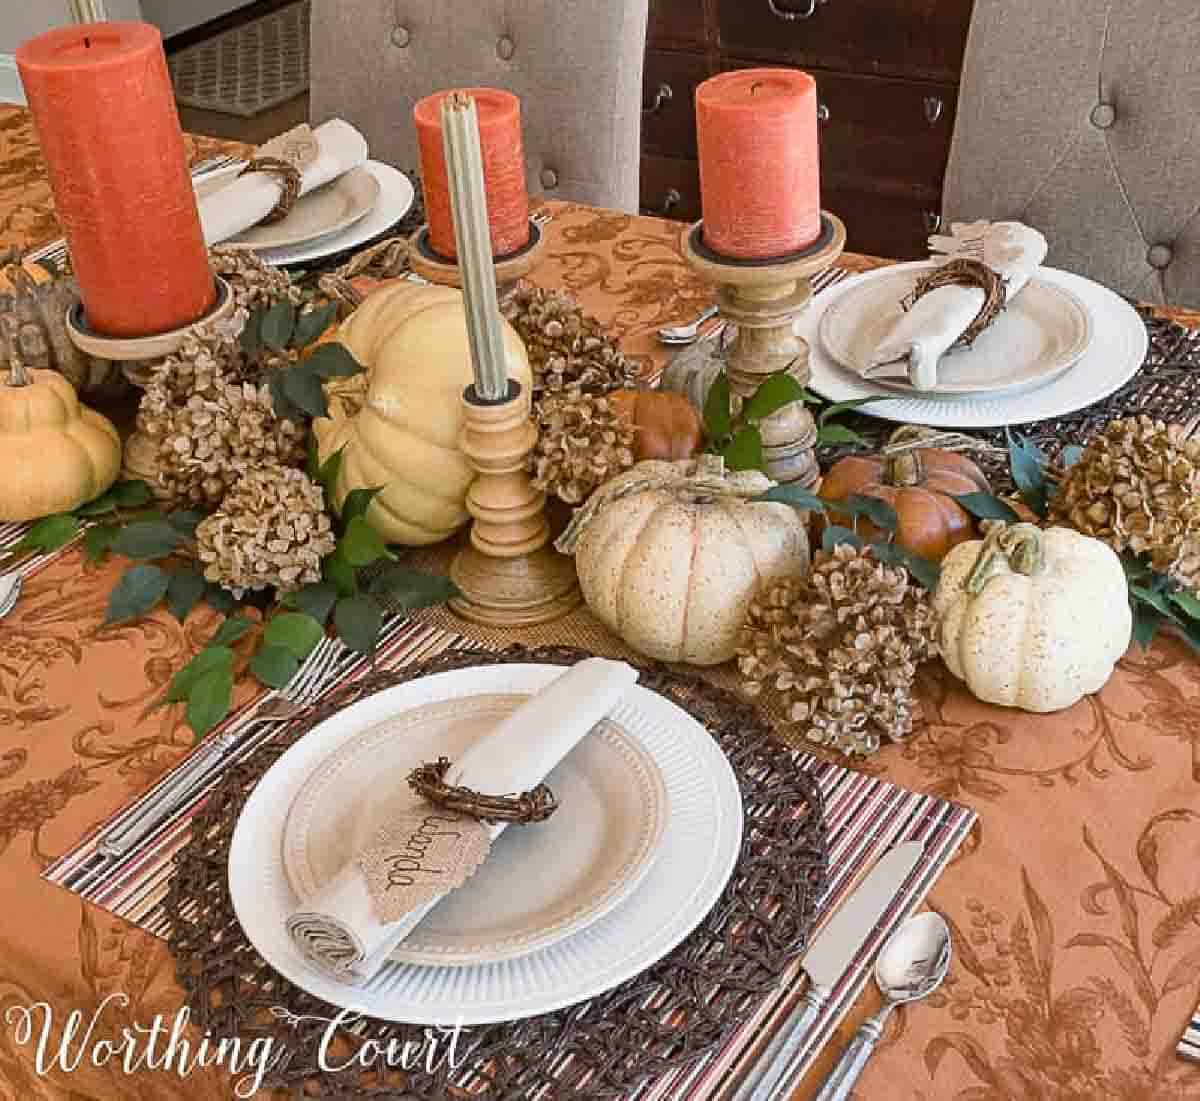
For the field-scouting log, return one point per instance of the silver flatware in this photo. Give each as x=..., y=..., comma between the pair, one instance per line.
x=911, y=966
x=10, y=589
x=825, y=962
x=687, y=334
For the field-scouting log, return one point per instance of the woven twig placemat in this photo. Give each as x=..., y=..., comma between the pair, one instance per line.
x=672, y=1014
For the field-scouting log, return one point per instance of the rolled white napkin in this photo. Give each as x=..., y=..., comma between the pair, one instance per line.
x=339, y=929
x=250, y=198
x=934, y=324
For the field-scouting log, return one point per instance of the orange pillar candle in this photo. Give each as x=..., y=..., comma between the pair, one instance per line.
x=105, y=116
x=760, y=188
x=503, y=170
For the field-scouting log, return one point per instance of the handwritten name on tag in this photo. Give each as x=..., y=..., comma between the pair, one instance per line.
x=297, y=146
x=421, y=855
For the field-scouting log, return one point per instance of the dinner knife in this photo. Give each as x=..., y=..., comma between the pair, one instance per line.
x=825, y=962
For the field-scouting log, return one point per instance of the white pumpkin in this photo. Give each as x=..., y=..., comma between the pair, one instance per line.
x=1033, y=619
x=670, y=555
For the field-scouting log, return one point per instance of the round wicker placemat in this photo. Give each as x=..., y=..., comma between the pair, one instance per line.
x=669, y=1016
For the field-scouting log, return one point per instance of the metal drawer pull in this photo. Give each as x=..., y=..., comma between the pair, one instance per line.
x=662, y=96
x=933, y=221
x=933, y=109
x=670, y=199
x=806, y=12
x=822, y=113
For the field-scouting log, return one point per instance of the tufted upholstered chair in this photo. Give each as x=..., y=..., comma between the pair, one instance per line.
x=1082, y=118
x=576, y=64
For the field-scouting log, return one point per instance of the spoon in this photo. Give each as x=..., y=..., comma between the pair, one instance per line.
x=10, y=589
x=911, y=966
x=685, y=334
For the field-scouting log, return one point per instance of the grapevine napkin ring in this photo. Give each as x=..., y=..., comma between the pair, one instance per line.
x=428, y=781
x=965, y=273
x=288, y=176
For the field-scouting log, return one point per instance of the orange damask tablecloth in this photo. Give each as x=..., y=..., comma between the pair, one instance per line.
x=1075, y=903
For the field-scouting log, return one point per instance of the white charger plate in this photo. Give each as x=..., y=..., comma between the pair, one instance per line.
x=1045, y=330
x=1117, y=351
x=698, y=852
x=590, y=855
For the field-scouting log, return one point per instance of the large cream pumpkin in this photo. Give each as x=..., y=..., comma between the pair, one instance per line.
x=55, y=453
x=404, y=436
x=670, y=555
x=1033, y=619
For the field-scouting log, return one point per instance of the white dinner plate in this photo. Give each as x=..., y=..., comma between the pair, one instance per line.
x=1044, y=330
x=697, y=854
x=1117, y=351
x=590, y=855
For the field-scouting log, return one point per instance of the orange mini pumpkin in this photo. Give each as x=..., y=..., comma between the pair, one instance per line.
x=666, y=425
x=920, y=484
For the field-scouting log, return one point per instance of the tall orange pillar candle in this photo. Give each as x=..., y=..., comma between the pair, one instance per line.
x=105, y=116
x=503, y=170
x=760, y=188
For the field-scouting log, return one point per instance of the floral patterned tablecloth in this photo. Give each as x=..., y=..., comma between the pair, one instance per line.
x=1075, y=903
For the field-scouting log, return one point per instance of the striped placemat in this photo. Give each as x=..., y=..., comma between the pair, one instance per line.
x=1189, y=1046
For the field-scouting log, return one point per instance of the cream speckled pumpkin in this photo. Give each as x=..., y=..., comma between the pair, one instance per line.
x=1033, y=619
x=413, y=342
x=669, y=556
x=55, y=453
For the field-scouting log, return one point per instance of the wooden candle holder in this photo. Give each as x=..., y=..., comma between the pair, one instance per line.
x=510, y=270
x=763, y=298
x=508, y=576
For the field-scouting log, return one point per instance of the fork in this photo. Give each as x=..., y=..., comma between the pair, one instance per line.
x=175, y=790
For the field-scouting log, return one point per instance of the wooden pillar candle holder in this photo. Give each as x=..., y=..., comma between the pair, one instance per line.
x=510, y=269
x=508, y=576
x=763, y=298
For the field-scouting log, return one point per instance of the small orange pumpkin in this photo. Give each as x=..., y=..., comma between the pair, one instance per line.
x=920, y=484
x=666, y=426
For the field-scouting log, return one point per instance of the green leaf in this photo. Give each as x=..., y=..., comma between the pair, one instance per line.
x=745, y=451
x=312, y=323
x=97, y=540
x=795, y=496
x=285, y=408
x=1146, y=622
x=1028, y=464
x=985, y=506
x=358, y=501
x=718, y=420
x=140, y=588
x=316, y=599
x=147, y=539
x=887, y=553
x=339, y=573
x=274, y=665
x=277, y=325
x=209, y=659
x=927, y=573
x=880, y=513
x=838, y=407
x=835, y=534
x=183, y=590
x=132, y=493
x=230, y=630
x=186, y=521
x=1187, y=603
x=359, y=620
x=405, y=590
x=219, y=599
x=1070, y=455
x=362, y=545
x=332, y=360
x=297, y=632
x=830, y=434
x=312, y=459
x=101, y=506
x=1156, y=600
x=1136, y=569
x=250, y=337
x=303, y=389
x=49, y=534
x=328, y=472
x=772, y=395
x=209, y=700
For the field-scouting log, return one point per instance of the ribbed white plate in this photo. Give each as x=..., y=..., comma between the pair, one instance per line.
x=1115, y=354
x=590, y=855
x=699, y=849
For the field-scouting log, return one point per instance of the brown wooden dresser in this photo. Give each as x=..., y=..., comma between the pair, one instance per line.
x=887, y=75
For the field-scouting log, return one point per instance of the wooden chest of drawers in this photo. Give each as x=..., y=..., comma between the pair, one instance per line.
x=887, y=76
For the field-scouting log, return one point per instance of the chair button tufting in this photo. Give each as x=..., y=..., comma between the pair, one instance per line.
x=549, y=179
x=1103, y=116
x=1160, y=256
x=505, y=48
x=401, y=37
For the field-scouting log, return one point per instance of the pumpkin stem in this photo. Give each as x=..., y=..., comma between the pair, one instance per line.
x=1018, y=544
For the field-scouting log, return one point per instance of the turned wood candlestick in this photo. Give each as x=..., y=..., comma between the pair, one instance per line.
x=508, y=576
x=763, y=298
x=510, y=270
